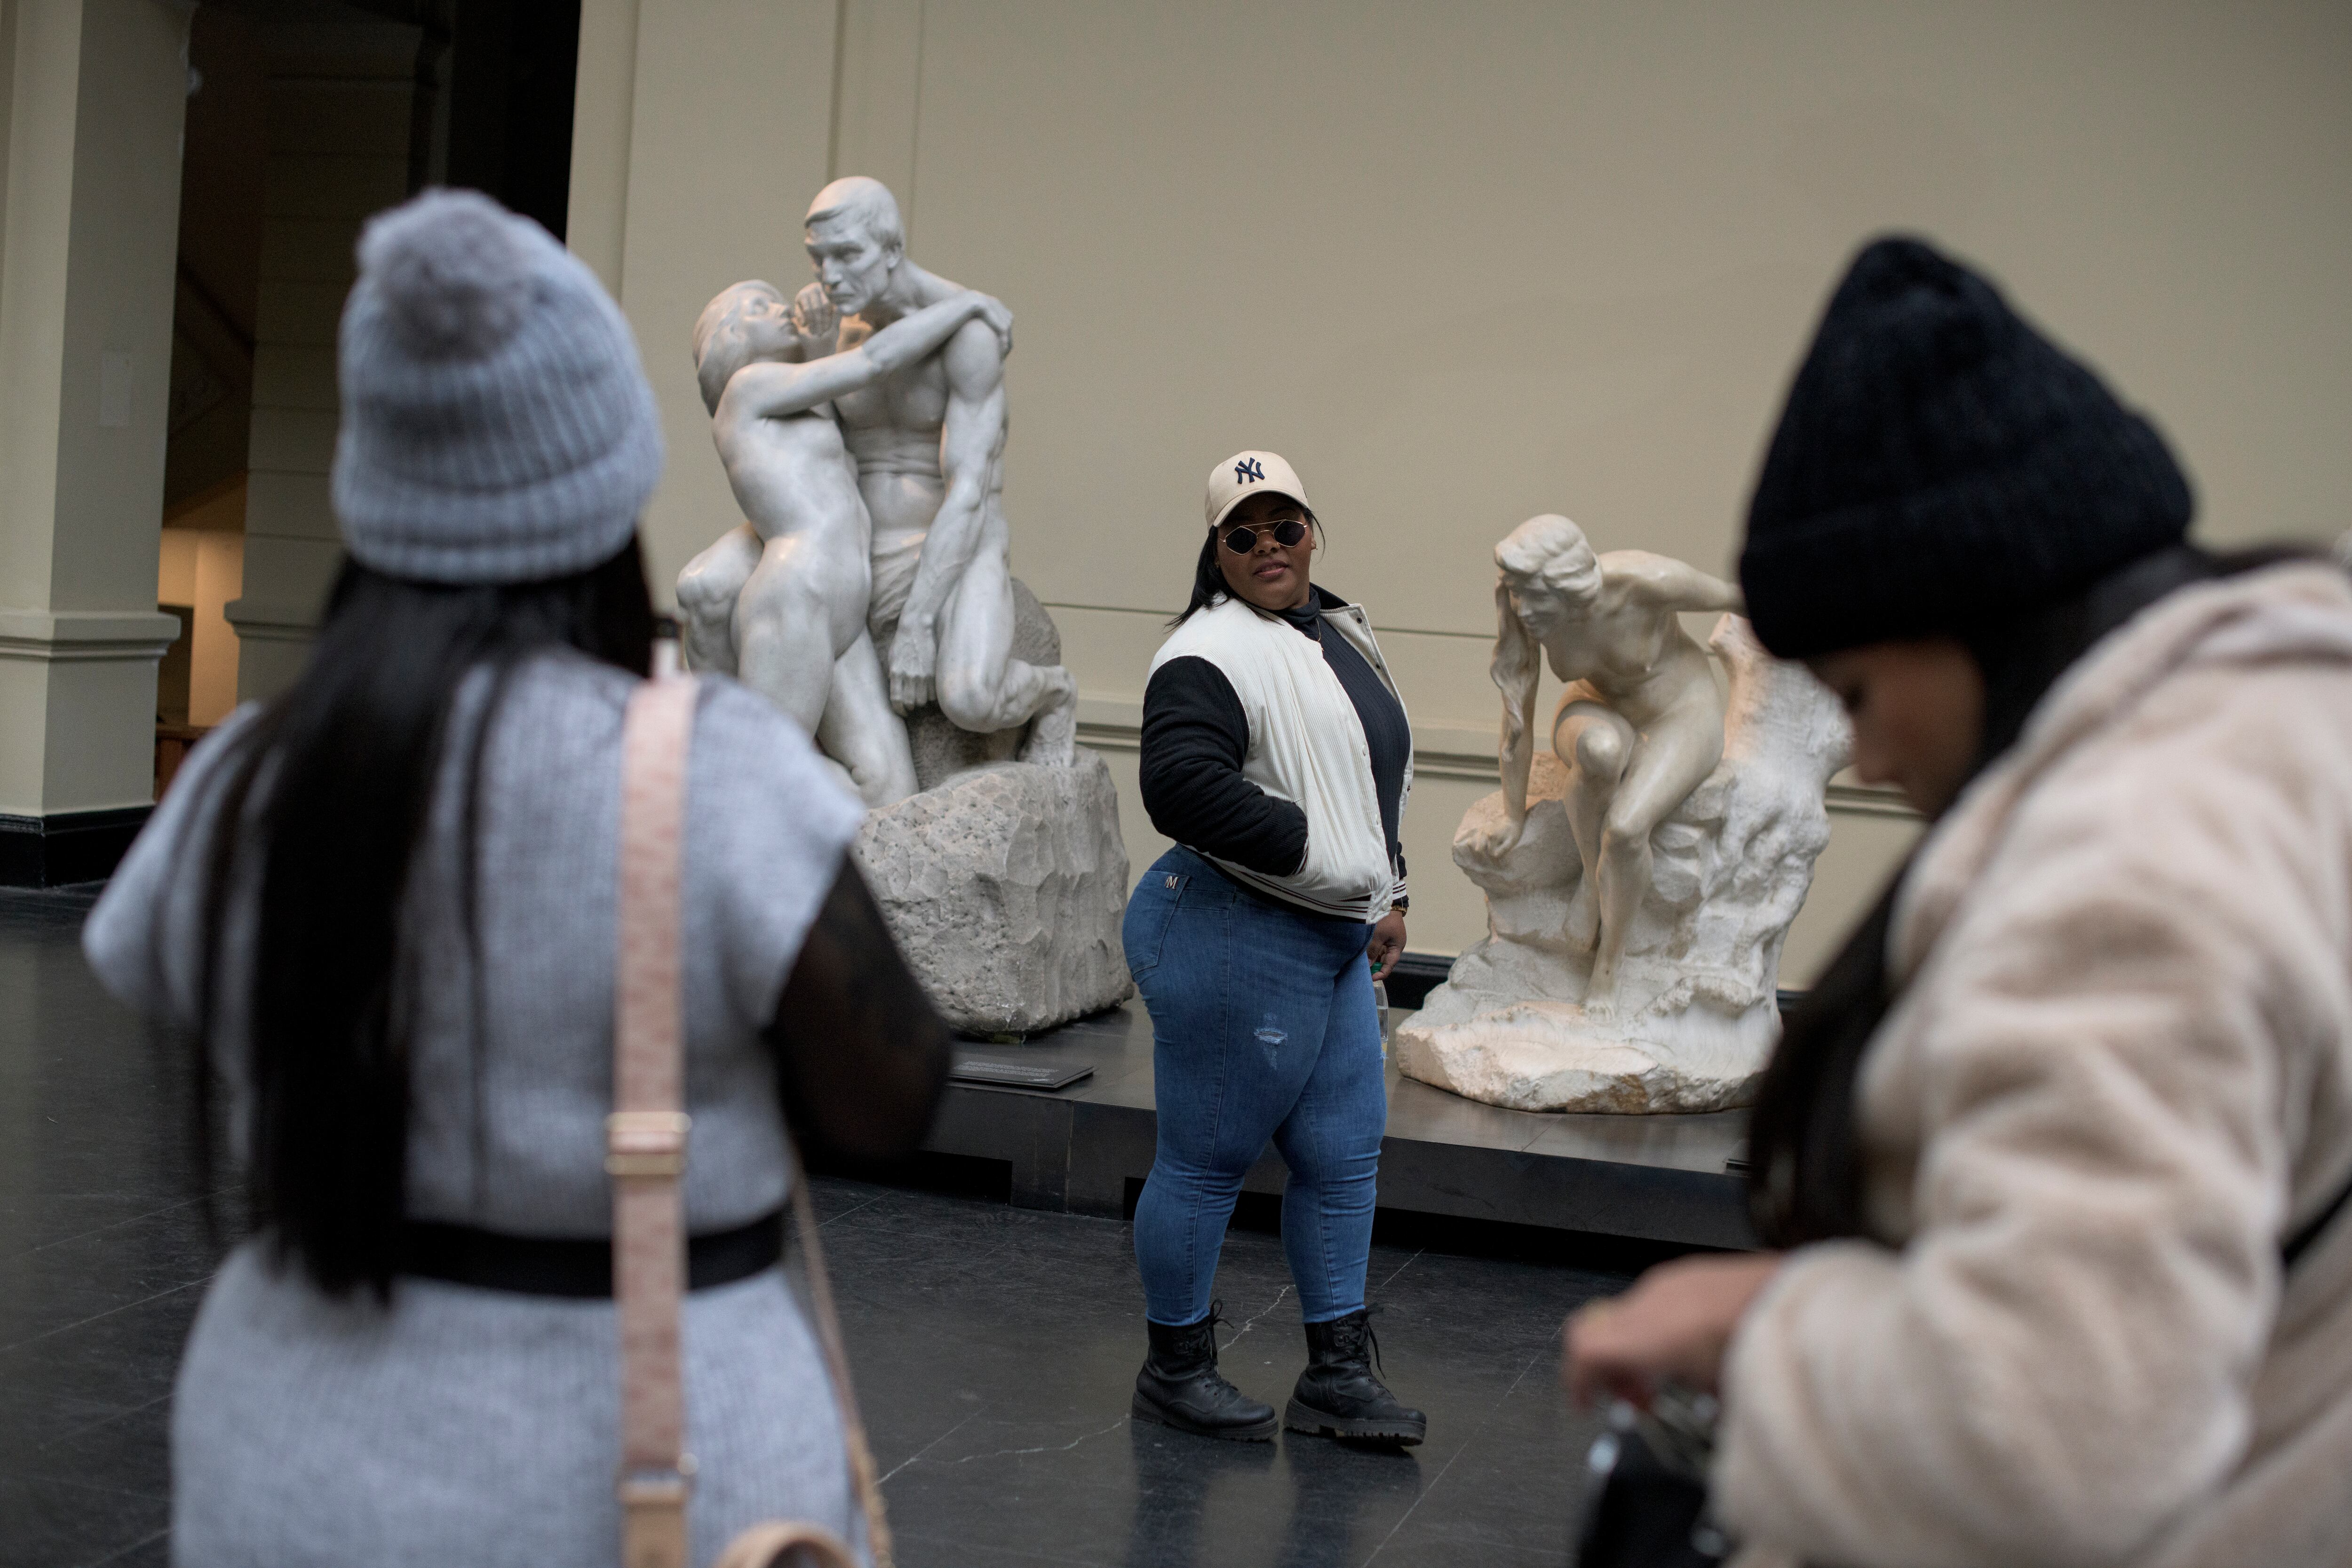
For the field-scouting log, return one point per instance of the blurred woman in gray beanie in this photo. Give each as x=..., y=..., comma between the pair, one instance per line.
x=2057, y=1151
x=382, y=905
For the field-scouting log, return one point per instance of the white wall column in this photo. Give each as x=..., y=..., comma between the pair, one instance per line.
x=92, y=93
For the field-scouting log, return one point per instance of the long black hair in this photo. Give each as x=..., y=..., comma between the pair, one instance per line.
x=1804, y=1172
x=1208, y=578
x=346, y=762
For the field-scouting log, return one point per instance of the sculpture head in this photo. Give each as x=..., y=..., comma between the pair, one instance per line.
x=856, y=241
x=1548, y=574
x=744, y=323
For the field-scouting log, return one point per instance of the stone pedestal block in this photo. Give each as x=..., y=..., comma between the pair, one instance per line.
x=1005, y=883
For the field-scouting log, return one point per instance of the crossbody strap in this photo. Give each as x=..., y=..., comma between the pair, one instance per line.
x=645, y=1154
x=645, y=1137
x=828, y=1334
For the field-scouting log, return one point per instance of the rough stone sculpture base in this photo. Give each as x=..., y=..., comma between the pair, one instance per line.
x=1004, y=881
x=1005, y=886
x=1696, y=1012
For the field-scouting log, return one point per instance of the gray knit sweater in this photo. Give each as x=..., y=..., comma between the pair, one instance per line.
x=465, y=1426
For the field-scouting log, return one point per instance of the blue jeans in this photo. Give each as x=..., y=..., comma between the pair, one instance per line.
x=1262, y=1027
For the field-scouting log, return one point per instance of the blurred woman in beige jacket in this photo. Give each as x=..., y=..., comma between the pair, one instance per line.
x=2057, y=1151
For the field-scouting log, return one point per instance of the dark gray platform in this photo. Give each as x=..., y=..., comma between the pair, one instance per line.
x=1662, y=1178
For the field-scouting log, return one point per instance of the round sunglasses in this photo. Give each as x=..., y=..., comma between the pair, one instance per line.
x=1241, y=538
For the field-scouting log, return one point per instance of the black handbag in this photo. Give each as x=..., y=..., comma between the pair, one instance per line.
x=1646, y=1487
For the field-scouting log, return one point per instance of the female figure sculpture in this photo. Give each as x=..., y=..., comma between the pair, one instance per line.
x=1639, y=727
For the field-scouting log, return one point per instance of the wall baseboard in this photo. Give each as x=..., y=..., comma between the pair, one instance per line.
x=66, y=847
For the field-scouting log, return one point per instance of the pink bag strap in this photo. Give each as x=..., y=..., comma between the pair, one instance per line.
x=645, y=1139
x=836, y=1360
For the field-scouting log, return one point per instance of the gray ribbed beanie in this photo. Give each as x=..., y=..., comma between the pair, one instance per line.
x=497, y=426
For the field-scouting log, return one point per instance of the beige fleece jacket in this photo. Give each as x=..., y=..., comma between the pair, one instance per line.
x=2120, y=1074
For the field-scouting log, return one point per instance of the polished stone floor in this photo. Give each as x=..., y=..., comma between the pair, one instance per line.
x=995, y=1346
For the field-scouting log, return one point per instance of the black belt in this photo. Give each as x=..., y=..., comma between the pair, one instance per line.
x=545, y=1266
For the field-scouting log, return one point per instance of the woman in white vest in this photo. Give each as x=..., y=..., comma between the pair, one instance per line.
x=1275, y=752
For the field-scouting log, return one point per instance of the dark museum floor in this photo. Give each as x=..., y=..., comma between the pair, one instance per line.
x=995, y=1346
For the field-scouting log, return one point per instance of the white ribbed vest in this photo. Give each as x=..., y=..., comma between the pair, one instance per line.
x=1306, y=746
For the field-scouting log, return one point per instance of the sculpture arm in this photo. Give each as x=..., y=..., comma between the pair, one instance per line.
x=1518, y=673
x=713, y=372
x=1517, y=760
x=970, y=439
x=773, y=390
x=1672, y=585
x=861, y=1056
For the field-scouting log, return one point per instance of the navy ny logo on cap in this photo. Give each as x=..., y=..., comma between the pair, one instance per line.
x=1250, y=471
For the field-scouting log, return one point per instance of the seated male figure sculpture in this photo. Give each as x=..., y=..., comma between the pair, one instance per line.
x=1640, y=726
x=928, y=440
x=780, y=600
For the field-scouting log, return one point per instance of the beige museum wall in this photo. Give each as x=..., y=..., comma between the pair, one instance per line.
x=1466, y=263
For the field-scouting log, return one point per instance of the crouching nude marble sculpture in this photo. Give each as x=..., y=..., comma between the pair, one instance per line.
x=870, y=593
x=1640, y=880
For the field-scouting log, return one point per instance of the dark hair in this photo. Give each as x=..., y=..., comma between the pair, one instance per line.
x=1805, y=1176
x=352, y=755
x=1208, y=578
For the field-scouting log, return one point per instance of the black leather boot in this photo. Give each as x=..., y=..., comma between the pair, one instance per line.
x=1340, y=1396
x=1180, y=1386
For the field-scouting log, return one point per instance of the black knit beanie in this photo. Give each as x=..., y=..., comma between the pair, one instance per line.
x=1939, y=466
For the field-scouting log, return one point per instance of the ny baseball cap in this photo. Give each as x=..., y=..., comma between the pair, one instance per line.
x=1243, y=475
